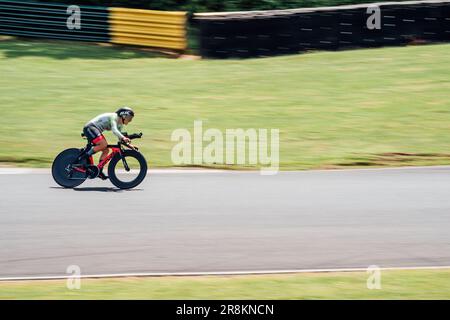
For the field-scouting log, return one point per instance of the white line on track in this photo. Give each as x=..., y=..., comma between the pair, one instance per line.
x=216, y=273
x=19, y=171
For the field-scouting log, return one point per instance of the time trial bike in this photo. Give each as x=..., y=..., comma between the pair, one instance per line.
x=127, y=167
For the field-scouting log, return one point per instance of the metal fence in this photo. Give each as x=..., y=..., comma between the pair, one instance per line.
x=158, y=29
x=44, y=20
x=266, y=33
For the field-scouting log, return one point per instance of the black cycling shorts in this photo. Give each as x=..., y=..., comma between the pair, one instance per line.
x=93, y=134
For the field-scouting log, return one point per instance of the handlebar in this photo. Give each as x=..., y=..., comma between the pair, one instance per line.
x=133, y=136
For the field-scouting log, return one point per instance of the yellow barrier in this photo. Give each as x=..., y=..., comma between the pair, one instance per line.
x=160, y=29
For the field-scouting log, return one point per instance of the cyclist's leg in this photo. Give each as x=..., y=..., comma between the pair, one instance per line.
x=101, y=145
x=96, y=138
x=89, y=134
x=104, y=154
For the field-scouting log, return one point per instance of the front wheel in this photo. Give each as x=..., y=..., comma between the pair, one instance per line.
x=128, y=170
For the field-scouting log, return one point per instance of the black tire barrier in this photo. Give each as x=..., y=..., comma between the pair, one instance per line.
x=258, y=34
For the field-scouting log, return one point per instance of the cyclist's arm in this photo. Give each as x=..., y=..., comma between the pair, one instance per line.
x=115, y=129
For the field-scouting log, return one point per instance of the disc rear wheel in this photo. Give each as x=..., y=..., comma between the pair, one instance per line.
x=62, y=172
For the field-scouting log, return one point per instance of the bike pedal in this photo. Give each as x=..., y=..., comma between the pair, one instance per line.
x=103, y=176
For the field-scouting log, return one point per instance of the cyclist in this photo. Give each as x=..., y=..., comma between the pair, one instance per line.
x=113, y=121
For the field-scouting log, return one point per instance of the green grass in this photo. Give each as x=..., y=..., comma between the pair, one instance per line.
x=410, y=284
x=374, y=107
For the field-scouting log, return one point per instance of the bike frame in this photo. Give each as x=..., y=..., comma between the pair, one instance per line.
x=115, y=150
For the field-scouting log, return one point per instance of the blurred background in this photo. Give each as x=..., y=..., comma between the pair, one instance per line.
x=342, y=94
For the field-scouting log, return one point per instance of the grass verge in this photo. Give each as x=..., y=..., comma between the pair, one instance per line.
x=395, y=284
x=375, y=107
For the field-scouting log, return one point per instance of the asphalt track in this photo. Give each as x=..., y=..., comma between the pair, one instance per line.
x=226, y=221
